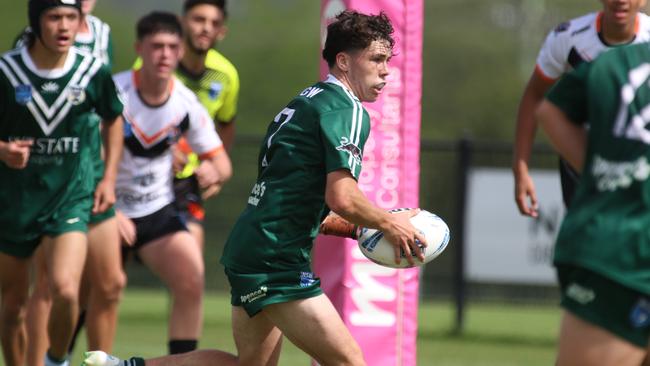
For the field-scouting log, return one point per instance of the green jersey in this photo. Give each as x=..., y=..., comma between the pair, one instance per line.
x=97, y=41
x=321, y=130
x=606, y=229
x=55, y=109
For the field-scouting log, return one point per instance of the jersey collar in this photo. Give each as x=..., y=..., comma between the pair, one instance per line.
x=45, y=73
x=331, y=79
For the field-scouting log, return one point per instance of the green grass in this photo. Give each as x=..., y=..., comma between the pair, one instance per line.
x=494, y=335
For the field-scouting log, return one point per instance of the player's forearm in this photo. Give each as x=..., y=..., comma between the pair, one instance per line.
x=221, y=163
x=226, y=131
x=526, y=127
x=344, y=197
x=568, y=138
x=113, y=136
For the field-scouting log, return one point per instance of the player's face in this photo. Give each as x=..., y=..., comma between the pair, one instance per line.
x=87, y=6
x=160, y=53
x=59, y=27
x=204, y=26
x=368, y=70
x=622, y=12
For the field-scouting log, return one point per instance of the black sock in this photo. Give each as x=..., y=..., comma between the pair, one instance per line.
x=177, y=346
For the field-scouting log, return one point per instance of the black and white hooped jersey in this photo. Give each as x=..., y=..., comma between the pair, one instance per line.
x=579, y=40
x=144, y=181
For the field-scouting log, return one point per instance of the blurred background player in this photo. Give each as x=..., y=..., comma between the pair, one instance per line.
x=603, y=247
x=158, y=111
x=216, y=83
x=582, y=39
x=103, y=278
x=309, y=160
x=50, y=92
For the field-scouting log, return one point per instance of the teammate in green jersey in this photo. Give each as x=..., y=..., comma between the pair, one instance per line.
x=310, y=160
x=103, y=277
x=602, y=252
x=49, y=92
x=617, y=23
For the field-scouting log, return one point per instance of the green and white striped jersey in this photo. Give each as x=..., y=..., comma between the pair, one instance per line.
x=607, y=227
x=55, y=109
x=321, y=130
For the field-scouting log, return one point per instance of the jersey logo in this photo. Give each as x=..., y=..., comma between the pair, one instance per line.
x=215, y=90
x=49, y=88
x=23, y=94
x=351, y=148
x=76, y=94
x=50, y=116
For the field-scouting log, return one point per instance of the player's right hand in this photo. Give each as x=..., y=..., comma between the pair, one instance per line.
x=404, y=236
x=15, y=153
x=525, y=195
x=126, y=228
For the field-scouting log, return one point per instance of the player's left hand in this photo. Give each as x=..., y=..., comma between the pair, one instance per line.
x=207, y=174
x=104, y=196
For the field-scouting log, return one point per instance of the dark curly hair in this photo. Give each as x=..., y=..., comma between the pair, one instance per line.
x=356, y=31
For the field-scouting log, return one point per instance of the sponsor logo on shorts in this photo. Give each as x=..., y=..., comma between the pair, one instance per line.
x=255, y=295
x=580, y=294
x=73, y=220
x=640, y=314
x=306, y=279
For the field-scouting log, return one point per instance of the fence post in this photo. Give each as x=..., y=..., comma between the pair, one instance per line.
x=464, y=148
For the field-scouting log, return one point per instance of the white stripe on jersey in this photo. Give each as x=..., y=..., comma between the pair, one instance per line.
x=579, y=39
x=39, y=109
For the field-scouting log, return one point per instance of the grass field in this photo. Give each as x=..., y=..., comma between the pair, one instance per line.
x=495, y=334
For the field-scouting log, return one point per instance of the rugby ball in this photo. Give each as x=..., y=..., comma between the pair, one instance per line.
x=379, y=250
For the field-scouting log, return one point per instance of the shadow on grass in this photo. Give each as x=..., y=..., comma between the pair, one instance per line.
x=487, y=339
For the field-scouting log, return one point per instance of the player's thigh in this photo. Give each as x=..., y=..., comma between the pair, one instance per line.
x=196, y=229
x=175, y=258
x=584, y=344
x=258, y=341
x=65, y=256
x=14, y=280
x=104, y=261
x=314, y=325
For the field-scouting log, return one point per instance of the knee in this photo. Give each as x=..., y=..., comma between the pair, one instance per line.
x=190, y=287
x=14, y=310
x=66, y=290
x=110, y=289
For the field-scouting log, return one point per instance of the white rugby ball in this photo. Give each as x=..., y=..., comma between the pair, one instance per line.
x=379, y=250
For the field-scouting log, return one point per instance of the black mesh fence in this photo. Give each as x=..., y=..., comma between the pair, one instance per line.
x=441, y=190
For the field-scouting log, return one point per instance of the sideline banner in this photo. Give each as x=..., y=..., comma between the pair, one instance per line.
x=379, y=304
